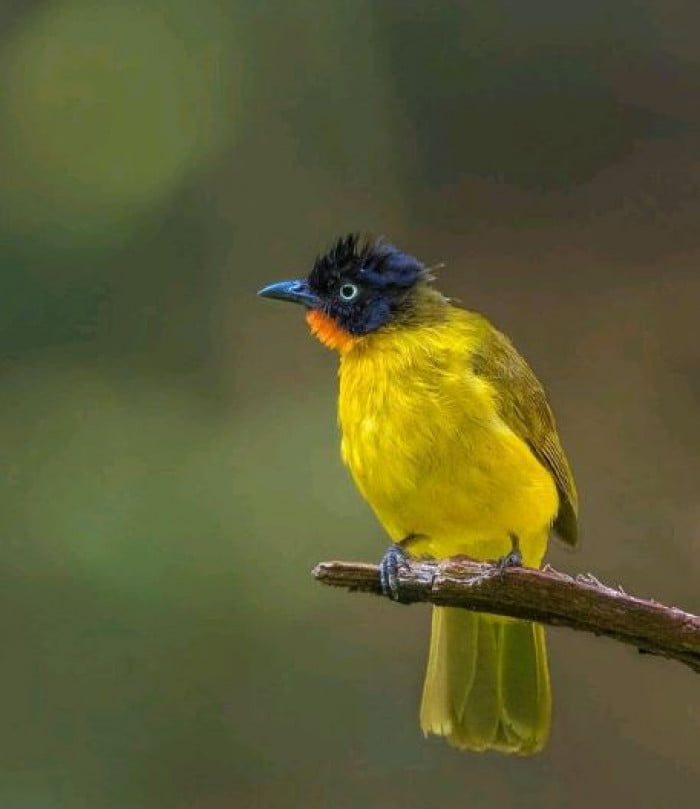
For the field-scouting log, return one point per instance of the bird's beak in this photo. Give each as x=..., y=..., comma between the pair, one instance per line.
x=296, y=291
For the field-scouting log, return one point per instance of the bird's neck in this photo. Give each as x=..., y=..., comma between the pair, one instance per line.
x=397, y=357
x=425, y=308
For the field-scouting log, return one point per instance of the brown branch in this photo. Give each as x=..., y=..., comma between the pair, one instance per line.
x=546, y=596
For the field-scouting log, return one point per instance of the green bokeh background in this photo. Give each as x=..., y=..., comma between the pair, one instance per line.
x=170, y=469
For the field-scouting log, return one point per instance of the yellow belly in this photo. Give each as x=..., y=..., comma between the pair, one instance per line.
x=428, y=451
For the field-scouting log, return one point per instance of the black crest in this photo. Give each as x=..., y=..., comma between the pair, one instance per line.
x=375, y=263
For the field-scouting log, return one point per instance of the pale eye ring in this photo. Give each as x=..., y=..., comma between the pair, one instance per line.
x=348, y=292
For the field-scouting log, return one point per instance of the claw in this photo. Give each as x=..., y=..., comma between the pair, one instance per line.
x=393, y=561
x=512, y=559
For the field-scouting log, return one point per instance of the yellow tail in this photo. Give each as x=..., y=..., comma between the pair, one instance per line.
x=487, y=683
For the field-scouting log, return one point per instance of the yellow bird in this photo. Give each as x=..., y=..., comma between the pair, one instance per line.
x=449, y=437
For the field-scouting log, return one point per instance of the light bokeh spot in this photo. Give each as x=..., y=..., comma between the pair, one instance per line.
x=106, y=109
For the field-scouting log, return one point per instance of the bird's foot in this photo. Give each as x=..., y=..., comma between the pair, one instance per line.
x=513, y=558
x=394, y=560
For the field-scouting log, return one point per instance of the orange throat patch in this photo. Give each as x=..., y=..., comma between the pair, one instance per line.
x=325, y=329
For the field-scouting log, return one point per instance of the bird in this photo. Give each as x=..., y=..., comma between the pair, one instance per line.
x=449, y=436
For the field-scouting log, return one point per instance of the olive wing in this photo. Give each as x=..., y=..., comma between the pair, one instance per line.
x=523, y=406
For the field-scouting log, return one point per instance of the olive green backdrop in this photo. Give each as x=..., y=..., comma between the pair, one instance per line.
x=170, y=470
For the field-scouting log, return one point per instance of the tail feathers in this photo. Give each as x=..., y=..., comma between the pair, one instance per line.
x=487, y=683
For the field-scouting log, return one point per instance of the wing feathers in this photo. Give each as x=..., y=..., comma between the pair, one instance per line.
x=524, y=408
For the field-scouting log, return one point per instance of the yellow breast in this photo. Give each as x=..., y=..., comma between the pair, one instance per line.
x=425, y=445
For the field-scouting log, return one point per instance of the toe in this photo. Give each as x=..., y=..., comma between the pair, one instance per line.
x=393, y=561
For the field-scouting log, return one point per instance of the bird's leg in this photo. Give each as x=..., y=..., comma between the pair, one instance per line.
x=395, y=560
x=512, y=559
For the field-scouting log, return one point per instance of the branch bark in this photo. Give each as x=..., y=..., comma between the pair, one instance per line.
x=546, y=596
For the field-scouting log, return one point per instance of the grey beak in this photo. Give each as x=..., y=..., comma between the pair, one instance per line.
x=296, y=291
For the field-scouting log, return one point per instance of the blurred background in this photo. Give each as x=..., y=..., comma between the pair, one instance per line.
x=170, y=466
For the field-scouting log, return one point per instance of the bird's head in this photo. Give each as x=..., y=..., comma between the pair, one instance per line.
x=354, y=289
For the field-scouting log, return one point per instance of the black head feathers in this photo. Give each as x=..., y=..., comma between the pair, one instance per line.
x=374, y=263
x=360, y=286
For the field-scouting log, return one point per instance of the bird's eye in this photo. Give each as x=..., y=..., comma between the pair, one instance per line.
x=348, y=292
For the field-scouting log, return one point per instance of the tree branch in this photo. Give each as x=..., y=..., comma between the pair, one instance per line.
x=546, y=596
